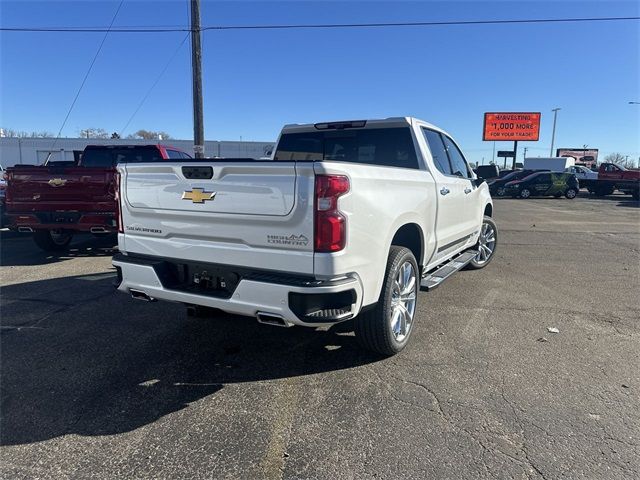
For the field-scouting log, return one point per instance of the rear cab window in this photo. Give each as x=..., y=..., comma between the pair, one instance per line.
x=390, y=147
x=111, y=156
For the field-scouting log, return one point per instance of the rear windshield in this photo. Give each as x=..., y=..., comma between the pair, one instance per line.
x=109, y=157
x=510, y=176
x=391, y=147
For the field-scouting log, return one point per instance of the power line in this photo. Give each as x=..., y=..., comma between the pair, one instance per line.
x=146, y=95
x=84, y=80
x=71, y=29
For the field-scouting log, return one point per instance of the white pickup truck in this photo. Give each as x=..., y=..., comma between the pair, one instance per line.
x=347, y=220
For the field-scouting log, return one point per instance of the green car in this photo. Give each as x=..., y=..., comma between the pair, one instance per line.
x=548, y=184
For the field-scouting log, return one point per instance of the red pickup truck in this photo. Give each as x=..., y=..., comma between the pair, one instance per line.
x=614, y=177
x=55, y=201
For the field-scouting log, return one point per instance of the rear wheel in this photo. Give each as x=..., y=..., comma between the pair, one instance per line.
x=387, y=327
x=525, y=193
x=500, y=192
x=486, y=246
x=571, y=193
x=51, y=240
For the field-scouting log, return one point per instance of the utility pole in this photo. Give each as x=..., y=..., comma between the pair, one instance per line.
x=553, y=134
x=196, y=69
x=524, y=154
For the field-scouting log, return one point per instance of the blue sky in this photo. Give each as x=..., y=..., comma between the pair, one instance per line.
x=256, y=81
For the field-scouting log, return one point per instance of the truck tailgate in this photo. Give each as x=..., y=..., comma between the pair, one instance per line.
x=247, y=214
x=55, y=189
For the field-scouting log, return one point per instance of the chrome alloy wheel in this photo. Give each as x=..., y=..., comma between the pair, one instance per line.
x=486, y=244
x=403, y=301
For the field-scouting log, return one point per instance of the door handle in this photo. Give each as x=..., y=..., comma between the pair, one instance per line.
x=467, y=190
x=444, y=191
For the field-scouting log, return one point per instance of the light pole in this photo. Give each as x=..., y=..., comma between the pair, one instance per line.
x=553, y=133
x=196, y=73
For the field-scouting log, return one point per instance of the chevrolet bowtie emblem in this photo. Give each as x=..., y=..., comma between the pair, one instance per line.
x=198, y=195
x=56, y=182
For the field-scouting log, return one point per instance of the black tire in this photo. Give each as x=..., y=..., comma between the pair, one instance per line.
x=500, y=192
x=525, y=193
x=478, y=263
x=373, y=327
x=571, y=193
x=50, y=241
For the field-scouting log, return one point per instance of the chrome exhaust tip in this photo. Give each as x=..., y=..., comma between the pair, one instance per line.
x=98, y=230
x=25, y=229
x=272, y=319
x=139, y=295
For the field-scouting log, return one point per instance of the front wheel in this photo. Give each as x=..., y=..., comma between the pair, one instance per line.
x=571, y=193
x=525, y=193
x=500, y=192
x=486, y=246
x=386, y=328
x=51, y=241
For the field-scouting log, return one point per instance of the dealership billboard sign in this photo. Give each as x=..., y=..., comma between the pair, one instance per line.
x=512, y=126
x=587, y=156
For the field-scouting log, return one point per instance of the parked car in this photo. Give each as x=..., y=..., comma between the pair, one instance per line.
x=503, y=173
x=55, y=201
x=582, y=173
x=347, y=221
x=496, y=187
x=544, y=184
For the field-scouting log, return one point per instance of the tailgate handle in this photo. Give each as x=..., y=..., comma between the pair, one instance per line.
x=198, y=172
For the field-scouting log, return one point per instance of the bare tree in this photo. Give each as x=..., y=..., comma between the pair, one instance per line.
x=620, y=159
x=11, y=133
x=150, y=135
x=42, y=134
x=93, y=133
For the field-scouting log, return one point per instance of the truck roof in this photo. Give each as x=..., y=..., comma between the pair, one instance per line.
x=389, y=122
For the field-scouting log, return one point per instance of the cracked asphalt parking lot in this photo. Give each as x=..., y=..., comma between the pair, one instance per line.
x=97, y=385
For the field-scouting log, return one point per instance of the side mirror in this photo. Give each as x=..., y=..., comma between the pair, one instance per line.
x=478, y=181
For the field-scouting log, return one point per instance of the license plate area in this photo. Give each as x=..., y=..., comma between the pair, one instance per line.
x=198, y=278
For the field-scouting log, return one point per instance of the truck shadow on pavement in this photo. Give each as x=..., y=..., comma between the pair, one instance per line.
x=80, y=358
x=18, y=249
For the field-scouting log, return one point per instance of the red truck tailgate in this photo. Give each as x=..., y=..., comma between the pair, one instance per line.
x=54, y=188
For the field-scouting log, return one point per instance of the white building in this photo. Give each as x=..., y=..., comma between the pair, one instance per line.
x=34, y=151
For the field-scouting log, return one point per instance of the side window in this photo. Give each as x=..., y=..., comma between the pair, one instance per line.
x=458, y=163
x=173, y=154
x=438, y=152
x=185, y=156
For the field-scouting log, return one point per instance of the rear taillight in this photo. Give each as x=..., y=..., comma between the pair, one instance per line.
x=330, y=223
x=118, y=203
